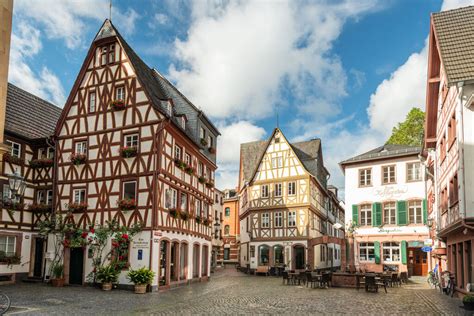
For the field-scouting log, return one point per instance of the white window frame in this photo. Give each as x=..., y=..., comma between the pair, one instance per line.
x=197, y=211
x=277, y=190
x=291, y=218
x=49, y=197
x=79, y=195
x=264, y=191
x=393, y=249
x=389, y=174
x=277, y=162
x=265, y=220
x=364, y=251
x=9, y=241
x=92, y=100
x=15, y=148
x=173, y=198
x=81, y=147
x=391, y=208
x=177, y=152
x=278, y=219
x=183, y=206
x=415, y=212
x=365, y=177
x=414, y=171
x=292, y=188
x=131, y=140
x=120, y=93
x=365, y=217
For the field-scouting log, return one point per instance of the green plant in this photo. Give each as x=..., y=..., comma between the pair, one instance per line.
x=468, y=299
x=141, y=276
x=58, y=270
x=107, y=274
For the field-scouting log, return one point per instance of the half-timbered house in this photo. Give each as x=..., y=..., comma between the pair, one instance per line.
x=29, y=124
x=132, y=148
x=287, y=214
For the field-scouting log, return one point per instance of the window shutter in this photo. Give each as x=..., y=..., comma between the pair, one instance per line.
x=355, y=214
x=425, y=212
x=377, y=251
x=402, y=213
x=377, y=214
x=404, y=252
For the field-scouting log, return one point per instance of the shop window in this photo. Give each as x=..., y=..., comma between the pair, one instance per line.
x=366, y=251
x=391, y=251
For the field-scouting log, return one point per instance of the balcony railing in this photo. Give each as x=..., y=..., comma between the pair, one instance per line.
x=450, y=217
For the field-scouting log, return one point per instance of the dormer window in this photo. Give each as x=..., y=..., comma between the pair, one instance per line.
x=210, y=141
x=168, y=108
x=183, y=122
x=202, y=133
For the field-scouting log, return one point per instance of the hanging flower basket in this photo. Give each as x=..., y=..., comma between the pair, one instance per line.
x=212, y=150
x=127, y=204
x=184, y=215
x=41, y=163
x=13, y=159
x=118, y=105
x=202, y=180
x=40, y=208
x=77, y=207
x=128, y=152
x=203, y=142
x=78, y=159
x=174, y=213
x=189, y=170
x=210, y=184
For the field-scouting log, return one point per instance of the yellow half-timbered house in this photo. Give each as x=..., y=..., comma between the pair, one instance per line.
x=287, y=211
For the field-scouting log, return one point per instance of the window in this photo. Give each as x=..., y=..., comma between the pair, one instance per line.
x=49, y=197
x=322, y=254
x=415, y=212
x=278, y=219
x=40, y=198
x=187, y=160
x=391, y=251
x=7, y=193
x=210, y=141
x=201, y=169
x=452, y=130
x=202, y=133
x=444, y=200
x=8, y=245
x=198, y=208
x=183, y=122
x=44, y=153
x=366, y=215
x=442, y=148
x=413, y=171
x=227, y=211
x=129, y=190
x=277, y=191
x=205, y=209
x=291, y=188
x=112, y=54
x=177, y=152
x=366, y=251
x=120, y=93
x=226, y=230
x=365, y=177
x=103, y=57
x=388, y=173
x=389, y=213
x=81, y=147
x=279, y=257
x=171, y=198
x=265, y=220
x=15, y=149
x=131, y=140
x=79, y=195
x=453, y=190
x=292, y=218
x=252, y=251
x=92, y=101
x=226, y=253
x=265, y=191
x=277, y=162
x=184, y=202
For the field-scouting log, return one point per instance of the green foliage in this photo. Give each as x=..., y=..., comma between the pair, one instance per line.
x=468, y=299
x=107, y=274
x=141, y=276
x=409, y=132
x=57, y=270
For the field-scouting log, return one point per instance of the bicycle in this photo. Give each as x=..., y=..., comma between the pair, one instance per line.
x=4, y=303
x=450, y=284
x=433, y=280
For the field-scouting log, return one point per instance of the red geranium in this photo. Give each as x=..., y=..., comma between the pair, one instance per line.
x=66, y=242
x=120, y=257
x=125, y=236
x=84, y=234
x=115, y=244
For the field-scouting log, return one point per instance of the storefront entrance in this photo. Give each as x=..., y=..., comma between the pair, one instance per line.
x=417, y=262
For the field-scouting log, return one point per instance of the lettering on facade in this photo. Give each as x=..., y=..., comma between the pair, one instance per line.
x=390, y=192
x=390, y=230
x=140, y=243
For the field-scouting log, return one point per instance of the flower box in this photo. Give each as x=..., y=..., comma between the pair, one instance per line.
x=180, y=164
x=202, y=180
x=184, y=215
x=14, y=206
x=189, y=170
x=77, y=207
x=13, y=159
x=212, y=150
x=9, y=260
x=127, y=204
x=174, y=213
x=78, y=159
x=198, y=219
x=128, y=152
x=40, y=208
x=41, y=163
x=203, y=142
x=206, y=221
x=118, y=105
x=210, y=184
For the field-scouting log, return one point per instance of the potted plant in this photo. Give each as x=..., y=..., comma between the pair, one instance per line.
x=468, y=301
x=141, y=278
x=13, y=159
x=184, y=215
x=58, y=275
x=78, y=159
x=189, y=170
x=128, y=152
x=117, y=105
x=77, y=207
x=174, y=213
x=127, y=204
x=202, y=180
x=41, y=163
x=107, y=275
x=203, y=142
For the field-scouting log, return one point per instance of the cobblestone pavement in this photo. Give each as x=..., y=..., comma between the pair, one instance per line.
x=231, y=292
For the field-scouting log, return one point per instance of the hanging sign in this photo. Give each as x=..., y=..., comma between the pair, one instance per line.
x=426, y=249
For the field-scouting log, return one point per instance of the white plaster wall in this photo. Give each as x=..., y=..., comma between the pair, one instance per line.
x=24, y=266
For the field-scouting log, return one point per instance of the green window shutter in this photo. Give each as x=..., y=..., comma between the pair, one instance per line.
x=377, y=251
x=377, y=214
x=425, y=212
x=404, y=252
x=402, y=213
x=355, y=214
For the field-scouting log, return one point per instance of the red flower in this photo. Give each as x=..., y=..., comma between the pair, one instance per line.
x=115, y=244
x=92, y=230
x=84, y=234
x=94, y=270
x=120, y=258
x=125, y=236
x=66, y=242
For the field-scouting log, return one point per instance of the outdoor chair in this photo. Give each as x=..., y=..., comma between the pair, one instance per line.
x=301, y=278
x=325, y=280
x=395, y=280
x=285, y=277
x=403, y=277
x=383, y=282
x=309, y=279
x=370, y=284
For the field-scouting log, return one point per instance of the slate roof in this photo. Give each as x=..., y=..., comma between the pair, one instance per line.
x=455, y=34
x=29, y=116
x=307, y=152
x=385, y=151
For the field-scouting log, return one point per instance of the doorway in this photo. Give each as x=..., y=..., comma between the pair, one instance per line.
x=299, y=257
x=163, y=262
x=418, y=262
x=38, y=257
x=76, y=265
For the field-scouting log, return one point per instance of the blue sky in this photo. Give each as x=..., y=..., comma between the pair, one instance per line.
x=343, y=71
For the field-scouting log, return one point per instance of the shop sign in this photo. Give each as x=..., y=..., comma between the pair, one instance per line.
x=157, y=234
x=415, y=244
x=391, y=192
x=426, y=249
x=428, y=242
x=140, y=243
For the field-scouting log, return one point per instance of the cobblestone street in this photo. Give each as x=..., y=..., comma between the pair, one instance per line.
x=231, y=292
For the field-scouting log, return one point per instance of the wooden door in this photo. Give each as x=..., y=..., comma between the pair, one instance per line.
x=420, y=264
x=76, y=266
x=38, y=263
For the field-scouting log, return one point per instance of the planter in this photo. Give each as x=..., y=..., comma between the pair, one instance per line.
x=128, y=152
x=140, y=288
x=117, y=105
x=57, y=282
x=41, y=163
x=107, y=286
x=13, y=159
x=78, y=159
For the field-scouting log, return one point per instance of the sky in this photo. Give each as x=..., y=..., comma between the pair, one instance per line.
x=343, y=71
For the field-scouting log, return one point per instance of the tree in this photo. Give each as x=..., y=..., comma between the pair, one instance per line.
x=409, y=132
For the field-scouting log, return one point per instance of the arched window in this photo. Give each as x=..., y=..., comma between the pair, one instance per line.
x=279, y=257
x=263, y=255
x=226, y=230
x=227, y=211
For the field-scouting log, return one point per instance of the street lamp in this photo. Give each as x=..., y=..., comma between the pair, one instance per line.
x=17, y=185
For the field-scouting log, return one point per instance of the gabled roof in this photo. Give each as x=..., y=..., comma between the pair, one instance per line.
x=29, y=116
x=383, y=152
x=307, y=152
x=454, y=31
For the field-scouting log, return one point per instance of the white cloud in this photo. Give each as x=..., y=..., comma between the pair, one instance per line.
x=454, y=4
x=238, y=57
x=25, y=45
